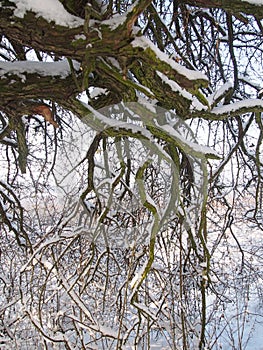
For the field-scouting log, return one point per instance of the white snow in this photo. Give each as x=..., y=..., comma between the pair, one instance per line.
x=145, y=43
x=189, y=146
x=51, y=10
x=89, y=205
x=235, y=107
x=106, y=331
x=9, y=141
x=95, y=92
x=138, y=275
x=60, y=68
x=105, y=122
x=118, y=19
x=220, y=92
x=114, y=62
x=80, y=37
x=100, y=122
x=250, y=81
x=195, y=104
x=115, y=21
x=149, y=104
x=254, y=2
x=47, y=264
x=146, y=310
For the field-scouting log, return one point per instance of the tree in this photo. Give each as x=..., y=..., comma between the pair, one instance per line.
x=114, y=217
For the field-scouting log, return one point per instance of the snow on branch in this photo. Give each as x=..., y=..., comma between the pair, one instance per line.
x=188, y=74
x=187, y=146
x=251, y=7
x=166, y=132
x=195, y=104
x=237, y=108
x=219, y=94
x=129, y=17
x=20, y=68
x=50, y=10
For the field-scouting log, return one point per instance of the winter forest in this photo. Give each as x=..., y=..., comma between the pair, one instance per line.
x=131, y=190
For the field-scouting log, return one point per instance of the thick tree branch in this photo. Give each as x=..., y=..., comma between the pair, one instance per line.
x=108, y=51
x=234, y=6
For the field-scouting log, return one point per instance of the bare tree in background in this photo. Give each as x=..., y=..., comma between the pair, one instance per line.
x=131, y=181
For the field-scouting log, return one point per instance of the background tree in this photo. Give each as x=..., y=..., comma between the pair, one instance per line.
x=117, y=228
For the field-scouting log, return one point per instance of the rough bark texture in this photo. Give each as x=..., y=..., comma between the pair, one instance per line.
x=95, y=45
x=235, y=6
x=135, y=56
x=92, y=47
